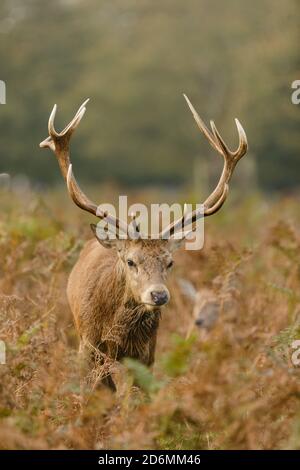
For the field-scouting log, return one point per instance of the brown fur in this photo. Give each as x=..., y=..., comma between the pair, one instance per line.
x=105, y=298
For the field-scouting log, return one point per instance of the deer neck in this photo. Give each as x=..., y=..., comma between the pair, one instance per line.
x=125, y=294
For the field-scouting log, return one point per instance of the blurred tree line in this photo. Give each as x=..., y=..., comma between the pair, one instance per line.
x=134, y=58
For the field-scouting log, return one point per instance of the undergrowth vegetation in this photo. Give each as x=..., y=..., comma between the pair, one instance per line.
x=233, y=387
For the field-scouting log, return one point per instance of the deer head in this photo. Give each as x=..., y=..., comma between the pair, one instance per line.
x=146, y=265
x=145, y=262
x=206, y=305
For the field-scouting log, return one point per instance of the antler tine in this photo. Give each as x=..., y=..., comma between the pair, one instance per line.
x=77, y=118
x=201, y=125
x=51, y=128
x=217, y=198
x=220, y=142
x=59, y=143
x=230, y=160
x=243, y=142
x=70, y=128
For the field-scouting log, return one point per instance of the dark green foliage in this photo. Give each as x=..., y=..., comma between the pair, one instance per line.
x=134, y=59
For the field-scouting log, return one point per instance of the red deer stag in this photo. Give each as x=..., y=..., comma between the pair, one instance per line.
x=116, y=295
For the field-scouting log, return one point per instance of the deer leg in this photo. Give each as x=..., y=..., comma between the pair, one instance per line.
x=89, y=362
x=108, y=382
x=85, y=365
x=151, y=354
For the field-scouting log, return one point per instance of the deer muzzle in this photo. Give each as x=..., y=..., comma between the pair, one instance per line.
x=156, y=295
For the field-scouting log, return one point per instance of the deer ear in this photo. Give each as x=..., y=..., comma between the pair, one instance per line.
x=187, y=288
x=102, y=237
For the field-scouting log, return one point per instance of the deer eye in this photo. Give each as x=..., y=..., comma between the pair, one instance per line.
x=131, y=263
x=169, y=266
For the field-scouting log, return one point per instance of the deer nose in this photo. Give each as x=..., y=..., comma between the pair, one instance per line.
x=159, y=297
x=199, y=322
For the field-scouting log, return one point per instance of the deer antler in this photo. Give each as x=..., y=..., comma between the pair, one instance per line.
x=59, y=143
x=217, y=198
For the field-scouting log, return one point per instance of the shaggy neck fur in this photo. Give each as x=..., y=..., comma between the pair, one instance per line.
x=131, y=325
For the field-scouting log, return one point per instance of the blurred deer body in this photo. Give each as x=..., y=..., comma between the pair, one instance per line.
x=206, y=306
x=117, y=287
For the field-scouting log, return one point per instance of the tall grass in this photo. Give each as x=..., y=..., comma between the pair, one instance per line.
x=234, y=387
